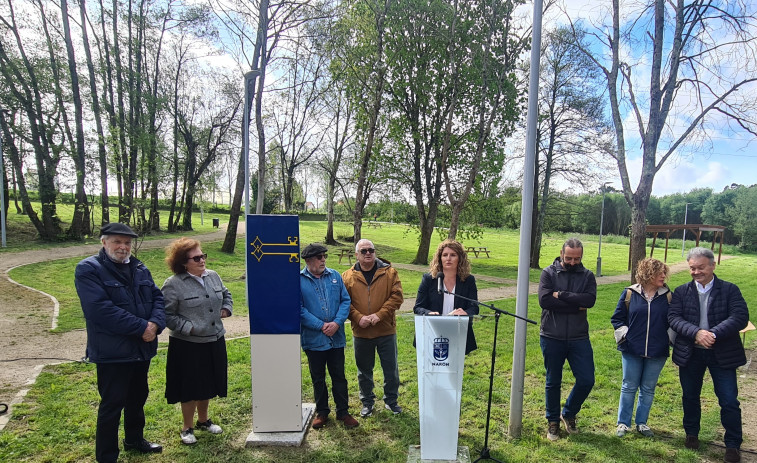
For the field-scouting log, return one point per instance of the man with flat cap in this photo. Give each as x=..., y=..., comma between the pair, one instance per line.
x=124, y=312
x=325, y=305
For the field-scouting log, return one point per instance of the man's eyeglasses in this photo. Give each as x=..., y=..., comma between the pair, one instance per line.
x=321, y=256
x=367, y=251
x=199, y=258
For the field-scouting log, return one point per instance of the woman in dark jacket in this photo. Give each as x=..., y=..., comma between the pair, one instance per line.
x=451, y=260
x=196, y=301
x=641, y=331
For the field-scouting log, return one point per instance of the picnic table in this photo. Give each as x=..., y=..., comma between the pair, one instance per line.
x=476, y=250
x=345, y=252
x=374, y=224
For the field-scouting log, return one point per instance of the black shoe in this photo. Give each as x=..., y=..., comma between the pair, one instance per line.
x=570, y=424
x=732, y=455
x=692, y=442
x=394, y=408
x=144, y=447
x=366, y=411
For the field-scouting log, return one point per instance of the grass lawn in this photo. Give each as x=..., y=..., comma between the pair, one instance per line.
x=56, y=422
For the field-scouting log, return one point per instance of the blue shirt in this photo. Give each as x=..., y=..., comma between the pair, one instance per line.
x=322, y=300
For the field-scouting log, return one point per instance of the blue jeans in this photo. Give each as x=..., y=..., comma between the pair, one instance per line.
x=726, y=389
x=580, y=357
x=365, y=359
x=639, y=373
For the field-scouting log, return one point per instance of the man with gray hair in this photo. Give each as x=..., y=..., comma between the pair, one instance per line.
x=376, y=294
x=707, y=314
x=125, y=312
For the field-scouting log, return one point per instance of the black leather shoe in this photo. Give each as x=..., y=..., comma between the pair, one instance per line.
x=144, y=446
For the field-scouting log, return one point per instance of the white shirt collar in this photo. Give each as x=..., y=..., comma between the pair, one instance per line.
x=199, y=278
x=706, y=288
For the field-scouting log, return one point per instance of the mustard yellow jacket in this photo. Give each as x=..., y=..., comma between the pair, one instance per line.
x=382, y=297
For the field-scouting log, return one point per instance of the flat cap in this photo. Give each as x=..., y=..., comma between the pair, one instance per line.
x=118, y=229
x=313, y=249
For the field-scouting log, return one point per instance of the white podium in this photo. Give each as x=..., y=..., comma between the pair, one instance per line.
x=440, y=350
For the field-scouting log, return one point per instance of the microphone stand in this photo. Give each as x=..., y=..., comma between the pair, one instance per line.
x=484, y=454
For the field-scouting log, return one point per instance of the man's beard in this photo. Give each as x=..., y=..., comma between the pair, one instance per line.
x=116, y=258
x=570, y=267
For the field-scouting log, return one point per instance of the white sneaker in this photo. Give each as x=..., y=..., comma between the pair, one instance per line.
x=209, y=426
x=188, y=437
x=622, y=430
x=644, y=430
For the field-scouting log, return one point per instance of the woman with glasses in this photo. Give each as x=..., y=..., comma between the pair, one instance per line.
x=450, y=264
x=196, y=301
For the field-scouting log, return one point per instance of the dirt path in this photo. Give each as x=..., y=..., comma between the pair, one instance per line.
x=27, y=317
x=27, y=344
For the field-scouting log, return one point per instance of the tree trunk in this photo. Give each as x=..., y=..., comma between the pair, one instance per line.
x=17, y=167
x=101, y=154
x=535, y=214
x=80, y=225
x=329, y=239
x=260, y=63
x=230, y=241
x=457, y=208
x=19, y=211
x=427, y=231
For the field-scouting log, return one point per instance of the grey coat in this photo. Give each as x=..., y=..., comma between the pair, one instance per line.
x=193, y=312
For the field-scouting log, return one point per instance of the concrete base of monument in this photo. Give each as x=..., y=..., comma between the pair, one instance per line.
x=414, y=455
x=283, y=439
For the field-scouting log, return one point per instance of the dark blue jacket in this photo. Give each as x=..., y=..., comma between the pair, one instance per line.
x=647, y=323
x=727, y=313
x=117, y=311
x=564, y=318
x=429, y=300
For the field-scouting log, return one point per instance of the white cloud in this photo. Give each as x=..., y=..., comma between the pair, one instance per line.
x=684, y=176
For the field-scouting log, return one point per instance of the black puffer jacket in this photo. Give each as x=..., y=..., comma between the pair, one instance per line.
x=564, y=318
x=727, y=313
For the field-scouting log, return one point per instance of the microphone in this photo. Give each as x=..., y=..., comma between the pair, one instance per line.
x=439, y=279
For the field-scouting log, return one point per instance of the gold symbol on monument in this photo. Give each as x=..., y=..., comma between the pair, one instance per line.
x=258, y=253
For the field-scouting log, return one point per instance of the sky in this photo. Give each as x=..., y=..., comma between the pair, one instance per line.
x=728, y=156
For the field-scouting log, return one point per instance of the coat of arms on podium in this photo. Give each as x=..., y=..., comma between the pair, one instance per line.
x=441, y=349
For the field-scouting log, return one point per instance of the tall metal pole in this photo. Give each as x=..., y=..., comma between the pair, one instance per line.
x=524, y=250
x=249, y=80
x=683, y=240
x=601, y=222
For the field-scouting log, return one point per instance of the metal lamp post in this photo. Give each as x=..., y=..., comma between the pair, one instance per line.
x=683, y=240
x=601, y=223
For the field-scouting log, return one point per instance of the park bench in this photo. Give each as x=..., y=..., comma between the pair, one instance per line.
x=476, y=250
x=345, y=252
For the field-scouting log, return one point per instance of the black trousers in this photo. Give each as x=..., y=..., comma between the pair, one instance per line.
x=122, y=386
x=318, y=360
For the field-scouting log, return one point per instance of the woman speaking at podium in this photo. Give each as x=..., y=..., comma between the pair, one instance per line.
x=448, y=278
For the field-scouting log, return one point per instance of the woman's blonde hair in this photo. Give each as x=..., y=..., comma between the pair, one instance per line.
x=463, y=264
x=649, y=268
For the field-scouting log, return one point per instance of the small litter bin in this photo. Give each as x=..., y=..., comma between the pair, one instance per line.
x=216, y=223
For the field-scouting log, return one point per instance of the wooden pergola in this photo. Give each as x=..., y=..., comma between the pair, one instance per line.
x=696, y=229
